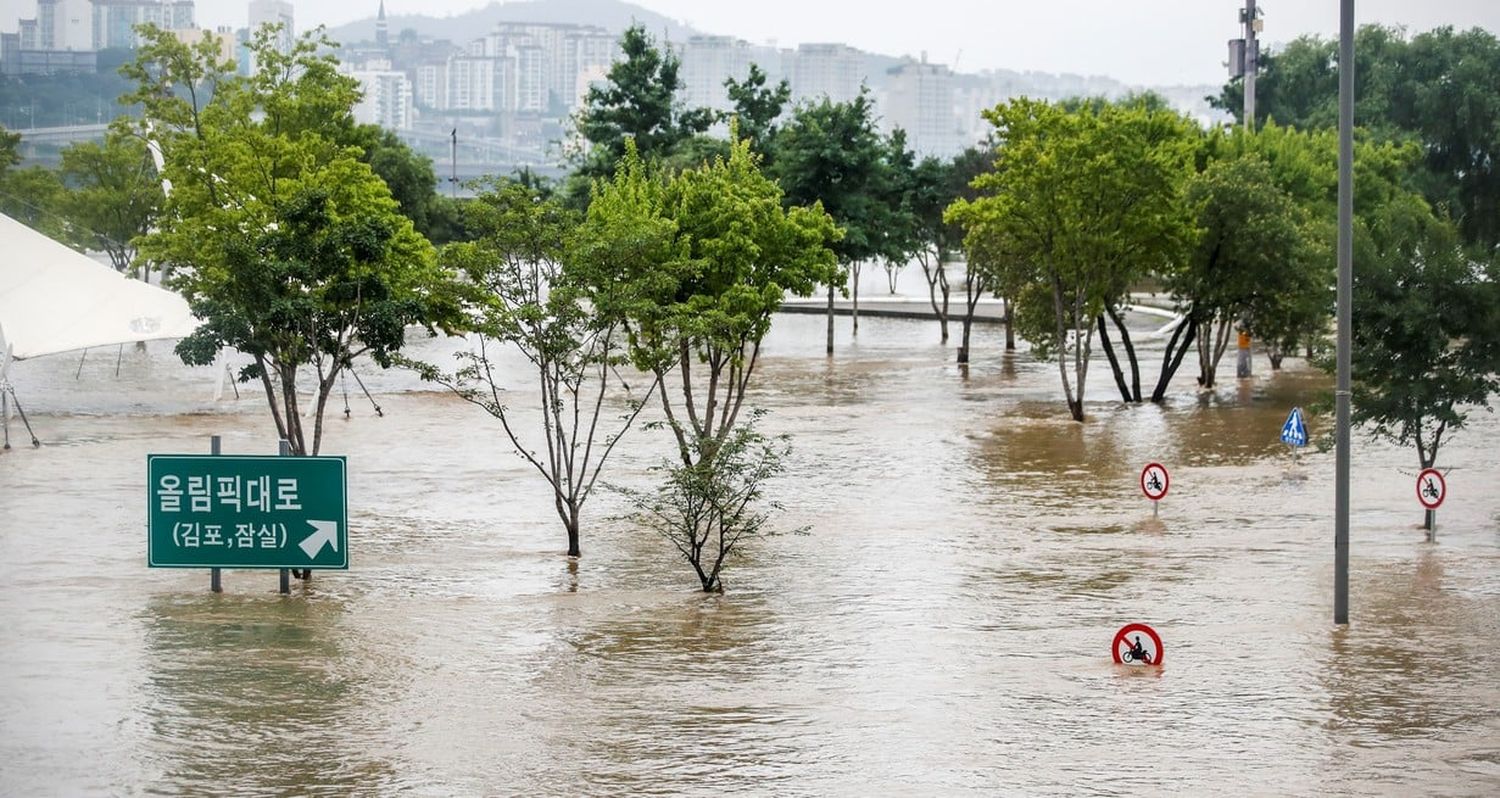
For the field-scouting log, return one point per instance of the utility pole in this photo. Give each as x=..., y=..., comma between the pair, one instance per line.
x=1345, y=314
x=1252, y=60
x=453, y=167
x=1244, y=62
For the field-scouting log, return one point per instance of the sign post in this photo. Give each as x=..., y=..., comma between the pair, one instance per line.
x=1155, y=481
x=1137, y=644
x=1432, y=488
x=246, y=511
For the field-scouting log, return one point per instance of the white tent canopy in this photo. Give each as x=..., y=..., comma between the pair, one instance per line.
x=53, y=299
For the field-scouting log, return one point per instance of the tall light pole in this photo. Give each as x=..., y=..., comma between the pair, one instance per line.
x=1345, y=313
x=1244, y=62
x=1252, y=61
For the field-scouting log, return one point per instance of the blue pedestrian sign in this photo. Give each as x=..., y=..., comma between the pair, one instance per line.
x=1294, y=431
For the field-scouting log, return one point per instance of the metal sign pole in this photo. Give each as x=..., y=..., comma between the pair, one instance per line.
x=1432, y=526
x=215, y=580
x=286, y=583
x=1345, y=313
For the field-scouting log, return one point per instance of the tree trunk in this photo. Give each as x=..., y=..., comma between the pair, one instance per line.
x=855, y=297
x=830, y=319
x=572, y=525
x=937, y=278
x=1171, y=361
x=1114, y=362
x=1010, y=324
x=1135, y=366
x=963, y=348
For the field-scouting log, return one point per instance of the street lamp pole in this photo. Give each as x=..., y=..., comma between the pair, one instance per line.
x=1252, y=63
x=1345, y=313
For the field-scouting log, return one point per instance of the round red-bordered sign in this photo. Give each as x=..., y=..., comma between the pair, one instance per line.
x=1137, y=644
x=1431, y=488
x=1155, y=481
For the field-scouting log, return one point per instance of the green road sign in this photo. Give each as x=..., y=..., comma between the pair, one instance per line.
x=237, y=511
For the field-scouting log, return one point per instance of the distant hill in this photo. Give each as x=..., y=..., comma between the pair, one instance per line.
x=612, y=15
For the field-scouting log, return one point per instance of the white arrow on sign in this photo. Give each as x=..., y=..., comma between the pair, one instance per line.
x=323, y=532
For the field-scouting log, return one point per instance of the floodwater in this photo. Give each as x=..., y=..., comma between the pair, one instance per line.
x=944, y=628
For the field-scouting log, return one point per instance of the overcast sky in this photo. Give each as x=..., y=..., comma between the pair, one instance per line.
x=1138, y=41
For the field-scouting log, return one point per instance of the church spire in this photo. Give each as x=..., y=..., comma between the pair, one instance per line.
x=382, y=35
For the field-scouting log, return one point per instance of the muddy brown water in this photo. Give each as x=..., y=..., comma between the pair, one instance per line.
x=943, y=629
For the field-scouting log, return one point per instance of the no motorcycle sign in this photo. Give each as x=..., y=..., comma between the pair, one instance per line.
x=1137, y=644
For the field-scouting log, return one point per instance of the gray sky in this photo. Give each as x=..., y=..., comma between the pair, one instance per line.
x=1138, y=41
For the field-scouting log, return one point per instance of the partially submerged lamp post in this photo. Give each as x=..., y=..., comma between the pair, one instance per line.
x=1345, y=313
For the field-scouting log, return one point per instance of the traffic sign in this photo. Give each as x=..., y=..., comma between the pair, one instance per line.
x=1155, y=481
x=1294, y=431
x=1431, y=488
x=240, y=511
x=1137, y=644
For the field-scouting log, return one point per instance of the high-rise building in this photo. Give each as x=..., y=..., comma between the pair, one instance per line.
x=274, y=12
x=835, y=71
x=526, y=68
x=224, y=37
x=431, y=88
x=113, y=21
x=706, y=62
x=387, y=99
x=471, y=83
x=920, y=100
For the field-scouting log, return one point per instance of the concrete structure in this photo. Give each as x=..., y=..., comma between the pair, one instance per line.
x=387, y=97
x=431, y=87
x=471, y=83
x=706, y=62
x=518, y=68
x=112, y=22
x=274, y=12
x=920, y=100
x=835, y=71
x=224, y=36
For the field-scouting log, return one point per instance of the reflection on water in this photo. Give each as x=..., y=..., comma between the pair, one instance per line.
x=254, y=695
x=944, y=630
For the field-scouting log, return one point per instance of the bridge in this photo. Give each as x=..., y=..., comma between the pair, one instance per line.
x=37, y=143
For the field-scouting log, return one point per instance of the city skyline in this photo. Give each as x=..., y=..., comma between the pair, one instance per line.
x=1166, y=42
x=1163, y=43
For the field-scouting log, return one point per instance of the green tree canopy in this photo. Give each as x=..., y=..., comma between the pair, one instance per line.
x=757, y=107
x=638, y=102
x=1426, y=335
x=1435, y=88
x=1080, y=203
x=114, y=195
x=408, y=174
x=287, y=246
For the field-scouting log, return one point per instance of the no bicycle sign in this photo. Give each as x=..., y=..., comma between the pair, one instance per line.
x=1432, y=488
x=1155, y=481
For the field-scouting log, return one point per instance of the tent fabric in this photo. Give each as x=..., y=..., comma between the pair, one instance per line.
x=53, y=299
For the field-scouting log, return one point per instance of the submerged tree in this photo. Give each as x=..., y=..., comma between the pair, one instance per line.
x=114, y=195
x=524, y=297
x=831, y=153
x=287, y=246
x=698, y=303
x=1426, y=334
x=1079, y=203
